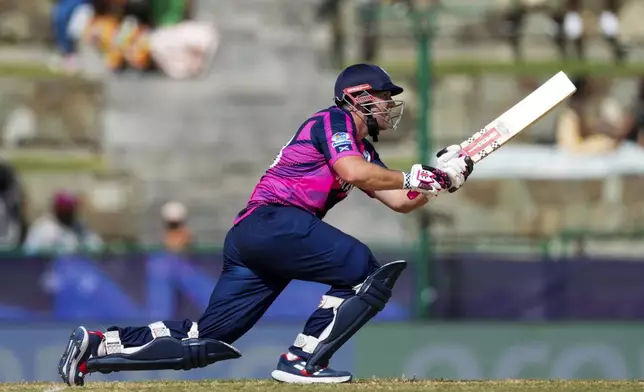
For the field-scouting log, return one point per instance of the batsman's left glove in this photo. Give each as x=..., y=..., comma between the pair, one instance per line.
x=456, y=165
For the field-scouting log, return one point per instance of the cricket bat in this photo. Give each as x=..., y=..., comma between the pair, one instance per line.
x=516, y=119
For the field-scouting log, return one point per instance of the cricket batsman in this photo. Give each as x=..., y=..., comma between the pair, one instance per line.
x=280, y=236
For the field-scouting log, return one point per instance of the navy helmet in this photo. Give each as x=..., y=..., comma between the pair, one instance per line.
x=359, y=76
x=353, y=89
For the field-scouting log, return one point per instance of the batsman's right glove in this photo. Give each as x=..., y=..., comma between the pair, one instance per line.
x=427, y=180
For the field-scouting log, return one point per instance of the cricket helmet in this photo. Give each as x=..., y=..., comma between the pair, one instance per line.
x=354, y=86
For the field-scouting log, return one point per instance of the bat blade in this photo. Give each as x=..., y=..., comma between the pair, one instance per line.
x=517, y=119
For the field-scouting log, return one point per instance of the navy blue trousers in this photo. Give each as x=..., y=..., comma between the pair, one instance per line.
x=262, y=254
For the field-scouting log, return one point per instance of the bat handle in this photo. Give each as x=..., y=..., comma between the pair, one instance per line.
x=411, y=195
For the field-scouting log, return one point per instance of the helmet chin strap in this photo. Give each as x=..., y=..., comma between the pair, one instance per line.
x=372, y=127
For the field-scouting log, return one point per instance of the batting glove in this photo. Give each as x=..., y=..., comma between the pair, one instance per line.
x=427, y=180
x=456, y=165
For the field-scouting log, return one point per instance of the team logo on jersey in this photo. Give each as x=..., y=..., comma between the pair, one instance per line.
x=340, y=137
x=341, y=141
x=342, y=149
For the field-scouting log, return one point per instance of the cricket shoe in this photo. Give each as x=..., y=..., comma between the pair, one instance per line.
x=72, y=366
x=291, y=369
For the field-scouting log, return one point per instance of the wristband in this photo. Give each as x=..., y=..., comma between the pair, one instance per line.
x=407, y=181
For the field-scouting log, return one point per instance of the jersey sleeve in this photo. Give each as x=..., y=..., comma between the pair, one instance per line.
x=334, y=136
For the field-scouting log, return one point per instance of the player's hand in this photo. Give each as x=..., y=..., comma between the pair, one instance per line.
x=427, y=180
x=456, y=165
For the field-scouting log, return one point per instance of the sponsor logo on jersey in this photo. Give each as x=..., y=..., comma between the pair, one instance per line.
x=344, y=186
x=341, y=139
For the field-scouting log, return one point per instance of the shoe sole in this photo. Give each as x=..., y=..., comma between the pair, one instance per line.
x=282, y=376
x=76, y=348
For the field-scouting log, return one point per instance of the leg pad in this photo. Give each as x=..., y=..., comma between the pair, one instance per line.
x=353, y=313
x=166, y=353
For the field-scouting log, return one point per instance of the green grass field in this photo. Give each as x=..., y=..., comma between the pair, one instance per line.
x=407, y=68
x=28, y=71
x=359, y=386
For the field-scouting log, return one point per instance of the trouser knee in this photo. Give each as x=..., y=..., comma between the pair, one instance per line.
x=363, y=263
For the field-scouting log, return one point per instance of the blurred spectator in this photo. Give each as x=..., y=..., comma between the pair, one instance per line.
x=569, y=28
x=185, y=50
x=565, y=15
x=101, y=30
x=369, y=22
x=330, y=10
x=68, y=20
x=609, y=25
x=572, y=29
x=633, y=130
x=168, y=12
x=569, y=25
x=147, y=35
x=177, y=237
x=514, y=21
x=61, y=230
x=13, y=224
x=589, y=124
x=130, y=47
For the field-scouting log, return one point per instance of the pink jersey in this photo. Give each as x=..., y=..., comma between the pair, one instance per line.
x=302, y=174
